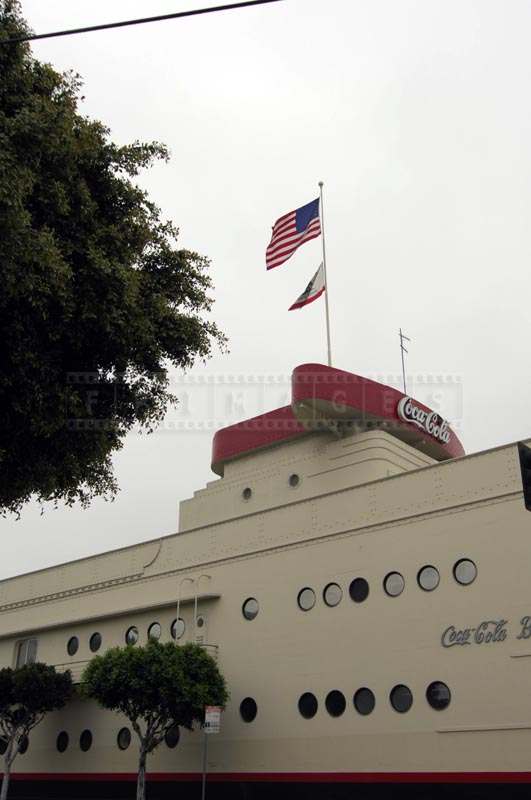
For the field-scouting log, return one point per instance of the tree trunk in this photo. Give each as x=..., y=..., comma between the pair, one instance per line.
x=10, y=755
x=5, y=780
x=141, y=780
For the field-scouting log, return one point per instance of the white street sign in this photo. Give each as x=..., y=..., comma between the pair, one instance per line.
x=212, y=719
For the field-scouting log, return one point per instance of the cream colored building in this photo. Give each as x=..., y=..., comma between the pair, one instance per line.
x=369, y=606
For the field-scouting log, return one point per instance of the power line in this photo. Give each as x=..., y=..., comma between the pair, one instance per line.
x=161, y=18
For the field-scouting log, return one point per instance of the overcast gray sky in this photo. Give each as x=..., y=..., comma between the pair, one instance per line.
x=416, y=115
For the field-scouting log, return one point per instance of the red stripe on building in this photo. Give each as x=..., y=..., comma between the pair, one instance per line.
x=286, y=777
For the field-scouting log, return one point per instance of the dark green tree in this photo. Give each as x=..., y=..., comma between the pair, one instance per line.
x=27, y=694
x=97, y=301
x=157, y=687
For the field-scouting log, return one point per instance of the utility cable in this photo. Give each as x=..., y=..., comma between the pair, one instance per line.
x=160, y=18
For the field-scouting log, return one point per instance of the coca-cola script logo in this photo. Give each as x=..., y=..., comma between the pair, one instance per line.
x=491, y=630
x=428, y=421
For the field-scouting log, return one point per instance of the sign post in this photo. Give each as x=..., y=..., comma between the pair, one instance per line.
x=212, y=724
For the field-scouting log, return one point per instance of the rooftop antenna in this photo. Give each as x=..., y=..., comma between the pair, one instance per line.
x=403, y=349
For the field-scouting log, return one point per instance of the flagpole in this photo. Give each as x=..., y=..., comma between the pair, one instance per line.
x=321, y=212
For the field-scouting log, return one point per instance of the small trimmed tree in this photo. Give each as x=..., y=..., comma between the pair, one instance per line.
x=27, y=694
x=156, y=687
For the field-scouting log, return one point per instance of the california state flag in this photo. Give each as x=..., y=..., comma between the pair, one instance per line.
x=314, y=290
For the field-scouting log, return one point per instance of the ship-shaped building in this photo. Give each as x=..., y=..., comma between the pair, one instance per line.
x=364, y=586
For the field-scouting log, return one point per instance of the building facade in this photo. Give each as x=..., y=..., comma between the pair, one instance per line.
x=364, y=587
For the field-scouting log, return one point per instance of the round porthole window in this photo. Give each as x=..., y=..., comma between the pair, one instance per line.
x=428, y=578
x=248, y=709
x=438, y=695
x=154, y=631
x=131, y=636
x=308, y=705
x=306, y=599
x=359, y=590
x=364, y=701
x=335, y=703
x=177, y=628
x=250, y=608
x=394, y=584
x=62, y=742
x=332, y=594
x=247, y=493
x=123, y=739
x=23, y=745
x=401, y=698
x=172, y=737
x=294, y=480
x=73, y=646
x=85, y=740
x=95, y=642
x=465, y=571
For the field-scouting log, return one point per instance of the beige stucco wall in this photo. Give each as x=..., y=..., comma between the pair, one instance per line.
x=324, y=531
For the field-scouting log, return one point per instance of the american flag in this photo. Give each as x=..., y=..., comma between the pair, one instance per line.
x=292, y=230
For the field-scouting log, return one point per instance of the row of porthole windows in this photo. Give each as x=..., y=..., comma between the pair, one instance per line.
x=132, y=635
x=438, y=696
x=95, y=642
x=428, y=578
x=293, y=481
x=123, y=739
x=177, y=629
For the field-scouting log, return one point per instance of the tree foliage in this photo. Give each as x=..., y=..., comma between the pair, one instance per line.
x=27, y=694
x=97, y=300
x=156, y=687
